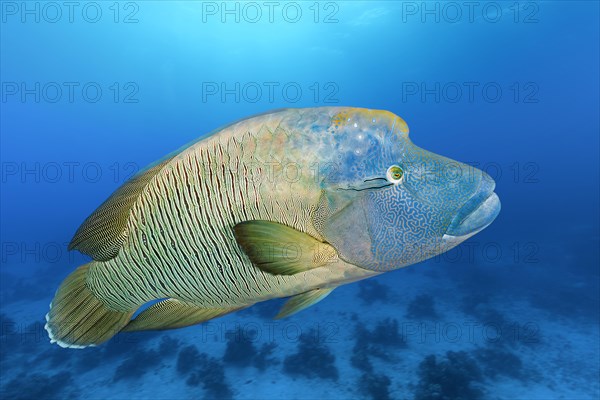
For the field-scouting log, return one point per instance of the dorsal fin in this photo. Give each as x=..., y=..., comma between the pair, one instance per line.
x=102, y=233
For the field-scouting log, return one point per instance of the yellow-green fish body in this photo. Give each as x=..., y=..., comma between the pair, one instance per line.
x=288, y=203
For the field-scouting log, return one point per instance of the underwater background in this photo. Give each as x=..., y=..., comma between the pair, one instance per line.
x=94, y=91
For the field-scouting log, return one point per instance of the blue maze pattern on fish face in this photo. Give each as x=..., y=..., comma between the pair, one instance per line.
x=437, y=180
x=403, y=230
x=405, y=218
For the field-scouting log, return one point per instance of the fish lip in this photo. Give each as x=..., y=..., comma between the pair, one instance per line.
x=475, y=215
x=478, y=212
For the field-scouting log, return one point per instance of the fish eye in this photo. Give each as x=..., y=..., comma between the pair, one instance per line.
x=394, y=174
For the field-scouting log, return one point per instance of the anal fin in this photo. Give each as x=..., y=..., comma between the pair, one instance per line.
x=301, y=301
x=172, y=314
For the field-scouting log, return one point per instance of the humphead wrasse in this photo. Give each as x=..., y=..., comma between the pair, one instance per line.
x=292, y=203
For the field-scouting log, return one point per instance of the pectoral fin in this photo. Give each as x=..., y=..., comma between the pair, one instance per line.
x=301, y=301
x=281, y=250
x=172, y=313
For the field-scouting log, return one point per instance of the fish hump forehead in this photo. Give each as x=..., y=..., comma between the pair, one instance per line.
x=365, y=118
x=335, y=116
x=315, y=120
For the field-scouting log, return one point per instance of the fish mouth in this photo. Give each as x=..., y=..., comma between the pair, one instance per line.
x=477, y=213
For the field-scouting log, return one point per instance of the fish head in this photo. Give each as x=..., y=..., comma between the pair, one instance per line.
x=386, y=203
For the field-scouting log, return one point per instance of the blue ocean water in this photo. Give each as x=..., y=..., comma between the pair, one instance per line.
x=94, y=91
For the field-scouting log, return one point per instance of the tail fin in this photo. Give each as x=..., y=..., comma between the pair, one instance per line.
x=77, y=318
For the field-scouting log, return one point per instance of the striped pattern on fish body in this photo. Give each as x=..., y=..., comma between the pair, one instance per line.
x=169, y=232
x=180, y=240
